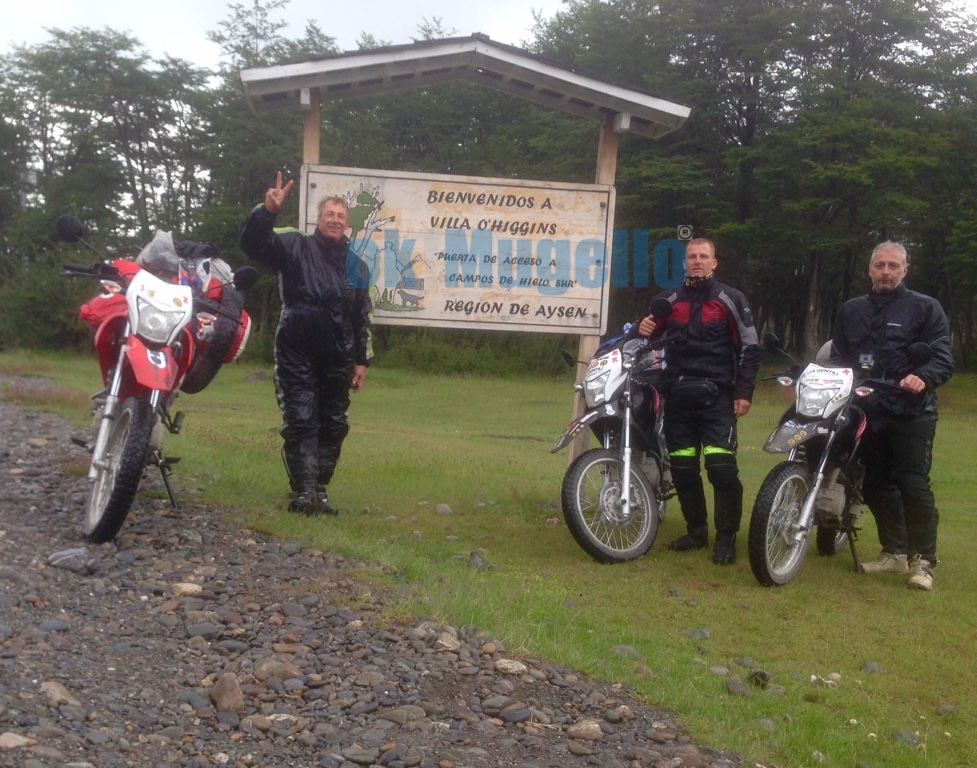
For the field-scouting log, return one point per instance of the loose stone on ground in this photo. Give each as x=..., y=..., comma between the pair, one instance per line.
x=192, y=642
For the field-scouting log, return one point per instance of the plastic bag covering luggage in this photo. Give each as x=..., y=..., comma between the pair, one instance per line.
x=213, y=270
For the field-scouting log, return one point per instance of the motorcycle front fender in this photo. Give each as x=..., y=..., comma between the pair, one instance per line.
x=152, y=368
x=107, y=342
x=577, y=426
x=792, y=433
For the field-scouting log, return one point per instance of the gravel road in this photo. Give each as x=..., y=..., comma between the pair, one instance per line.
x=190, y=641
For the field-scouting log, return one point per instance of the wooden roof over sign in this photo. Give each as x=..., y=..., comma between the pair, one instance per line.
x=477, y=59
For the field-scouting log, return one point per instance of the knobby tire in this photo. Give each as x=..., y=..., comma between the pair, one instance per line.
x=775, y=557
x=115, y=486
x=591, y=490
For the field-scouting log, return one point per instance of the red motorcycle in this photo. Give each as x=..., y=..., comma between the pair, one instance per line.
x=162, y=323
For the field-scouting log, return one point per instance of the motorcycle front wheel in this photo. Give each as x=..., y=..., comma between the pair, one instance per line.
x=776, y=555
x=591, y=500
x=119, y=470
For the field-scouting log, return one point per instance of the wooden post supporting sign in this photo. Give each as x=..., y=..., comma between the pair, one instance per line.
x=587, y=345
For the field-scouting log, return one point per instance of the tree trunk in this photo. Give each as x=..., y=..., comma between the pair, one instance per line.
x=811, y=319
x=265, y=325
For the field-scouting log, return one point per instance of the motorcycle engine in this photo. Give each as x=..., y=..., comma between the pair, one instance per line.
x=831, y=504
x=649, y=466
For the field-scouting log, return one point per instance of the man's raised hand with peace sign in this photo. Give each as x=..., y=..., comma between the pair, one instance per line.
x=275, y=196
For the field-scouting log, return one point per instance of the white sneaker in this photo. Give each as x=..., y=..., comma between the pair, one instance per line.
x=920, y=574
x=887, y=562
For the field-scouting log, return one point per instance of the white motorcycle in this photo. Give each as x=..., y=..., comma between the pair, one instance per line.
x=614, y=497
x=819, y=486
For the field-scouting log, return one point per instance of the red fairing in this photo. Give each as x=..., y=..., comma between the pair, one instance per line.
x=107, y=340
x=127, y=268
x=103, y=307
x=108, y=305
x=153, y=368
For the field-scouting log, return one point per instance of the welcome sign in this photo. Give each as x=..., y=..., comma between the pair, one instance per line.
x=462, y=252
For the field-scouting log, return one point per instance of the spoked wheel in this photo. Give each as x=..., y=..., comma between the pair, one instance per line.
x=595, y=515
x=831, y=541
x=775, y=553
x=119, y=470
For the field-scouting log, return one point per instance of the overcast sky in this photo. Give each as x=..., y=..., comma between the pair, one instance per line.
x=179, y=27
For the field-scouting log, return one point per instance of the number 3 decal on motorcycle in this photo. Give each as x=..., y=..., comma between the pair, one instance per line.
x=157, y=357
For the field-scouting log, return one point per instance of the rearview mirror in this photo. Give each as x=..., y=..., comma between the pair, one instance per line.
x=245, y=277
x=771, y=343
x=69, y=228
x=920, y=352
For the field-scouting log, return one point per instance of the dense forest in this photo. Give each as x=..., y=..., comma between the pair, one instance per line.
x=817, y=130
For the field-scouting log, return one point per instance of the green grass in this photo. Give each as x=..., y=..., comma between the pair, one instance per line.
x=481, y=446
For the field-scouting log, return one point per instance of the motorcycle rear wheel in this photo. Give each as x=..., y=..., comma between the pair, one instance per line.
x=591, y=500
x=210, y=358
x=830, y=541
x=120, y=470
x=775, y=554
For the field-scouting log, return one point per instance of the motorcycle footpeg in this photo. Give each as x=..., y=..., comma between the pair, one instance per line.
x=169, y=461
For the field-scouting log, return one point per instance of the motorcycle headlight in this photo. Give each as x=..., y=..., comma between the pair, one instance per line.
x=811, y=401
x=157, y=325
x=594, y=388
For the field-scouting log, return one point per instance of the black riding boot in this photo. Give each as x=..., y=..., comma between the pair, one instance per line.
x=328, y=458
x=302, y=466
x=692, y=500
x=727, y=505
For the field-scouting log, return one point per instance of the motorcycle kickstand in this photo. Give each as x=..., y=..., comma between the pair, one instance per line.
x=165, y=469
x=852, y=536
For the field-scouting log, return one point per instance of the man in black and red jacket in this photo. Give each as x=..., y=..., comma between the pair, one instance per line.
x=712, y=357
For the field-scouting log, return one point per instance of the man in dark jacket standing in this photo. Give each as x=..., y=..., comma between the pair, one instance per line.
x=712, y=357
x=873, y=334
x=323, y=341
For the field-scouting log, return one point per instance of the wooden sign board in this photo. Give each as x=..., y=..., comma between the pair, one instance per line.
x=471, y=252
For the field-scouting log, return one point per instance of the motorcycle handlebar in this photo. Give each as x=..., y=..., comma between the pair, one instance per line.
x=212, y=306
x=100, y=269
x=793, y=372
x=890, y=384
x=70, y=268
